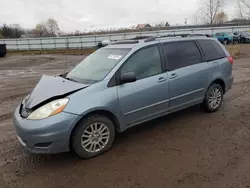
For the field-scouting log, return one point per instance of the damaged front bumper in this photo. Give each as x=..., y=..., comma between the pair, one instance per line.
x=50, y=135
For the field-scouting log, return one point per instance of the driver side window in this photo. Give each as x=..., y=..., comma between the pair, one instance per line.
x=144, y=63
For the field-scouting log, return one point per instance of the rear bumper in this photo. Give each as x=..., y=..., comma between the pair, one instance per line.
x=236, y=39
x=50, y=135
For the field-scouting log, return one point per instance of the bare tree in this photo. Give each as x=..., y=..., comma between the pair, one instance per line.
x=197, y=18
x=41, y=30
x=210, y=8
x=240, y=9
x=52, y=27
x=221, y=17
x=159, y=25
x=246, y=4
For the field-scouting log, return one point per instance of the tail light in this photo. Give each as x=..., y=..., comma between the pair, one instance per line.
x=231, y=59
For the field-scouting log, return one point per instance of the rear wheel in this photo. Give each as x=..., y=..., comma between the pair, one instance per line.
x=243, y=41
x=213, y=98
x=93, y=136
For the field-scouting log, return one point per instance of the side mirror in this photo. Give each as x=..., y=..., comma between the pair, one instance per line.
x=127, y=77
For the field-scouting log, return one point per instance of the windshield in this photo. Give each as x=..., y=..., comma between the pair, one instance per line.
x=96, y=66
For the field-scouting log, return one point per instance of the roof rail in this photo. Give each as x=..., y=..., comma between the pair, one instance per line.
x=126, y=42
x=136, y=39
x=158, y=37
x=175, y=35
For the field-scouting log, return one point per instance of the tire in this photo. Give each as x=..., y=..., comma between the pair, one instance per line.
x=226, y=41
x=3, y=55
x=243, y=41
x=207, y=103
x=84, y=140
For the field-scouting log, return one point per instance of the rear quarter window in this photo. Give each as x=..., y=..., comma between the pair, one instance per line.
x=212, y=50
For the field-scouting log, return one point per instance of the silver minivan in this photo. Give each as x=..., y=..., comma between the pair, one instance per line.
x=119, y=86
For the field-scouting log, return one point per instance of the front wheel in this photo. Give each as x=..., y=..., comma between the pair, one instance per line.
x=213, y=98
x=93, y=136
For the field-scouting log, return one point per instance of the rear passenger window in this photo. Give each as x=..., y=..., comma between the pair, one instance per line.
x=181, y=54
x=211, y=50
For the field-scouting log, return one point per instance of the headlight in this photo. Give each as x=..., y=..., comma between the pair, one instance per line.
x=50, y=109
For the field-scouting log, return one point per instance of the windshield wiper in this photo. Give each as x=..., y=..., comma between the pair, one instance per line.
x=71, y=79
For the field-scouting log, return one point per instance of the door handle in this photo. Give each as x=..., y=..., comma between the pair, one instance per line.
x=162, y=79
x=173, y=75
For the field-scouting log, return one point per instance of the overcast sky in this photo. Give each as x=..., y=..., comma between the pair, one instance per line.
x=83, y=14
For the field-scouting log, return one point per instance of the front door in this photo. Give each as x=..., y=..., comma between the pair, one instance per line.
x=147, y=97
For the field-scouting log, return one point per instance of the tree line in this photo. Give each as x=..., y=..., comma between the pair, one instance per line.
x=11, y=31
x=49, y=28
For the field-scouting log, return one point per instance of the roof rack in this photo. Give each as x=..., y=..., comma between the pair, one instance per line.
x=136, y=39
x=175, y=35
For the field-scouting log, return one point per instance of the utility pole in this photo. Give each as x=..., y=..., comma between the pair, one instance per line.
x=185, y=22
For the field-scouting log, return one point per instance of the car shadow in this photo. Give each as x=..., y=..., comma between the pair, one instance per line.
x=65, y=160
x=158, y=123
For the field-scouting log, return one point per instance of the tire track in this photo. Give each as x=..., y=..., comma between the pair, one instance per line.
x=12, y=97
x=5, y=116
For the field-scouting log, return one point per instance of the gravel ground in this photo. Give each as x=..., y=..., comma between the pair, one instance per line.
x=186, y=149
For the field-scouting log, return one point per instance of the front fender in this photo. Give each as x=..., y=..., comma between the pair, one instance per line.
x=93, y=99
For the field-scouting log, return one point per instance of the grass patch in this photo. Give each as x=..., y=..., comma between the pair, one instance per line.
x=234, y=50
x=85, y=51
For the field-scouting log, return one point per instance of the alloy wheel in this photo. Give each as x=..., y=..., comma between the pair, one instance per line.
x=215, y=98
x=95, y=137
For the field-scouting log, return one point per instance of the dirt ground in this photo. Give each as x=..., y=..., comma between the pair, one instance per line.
x=187, y=149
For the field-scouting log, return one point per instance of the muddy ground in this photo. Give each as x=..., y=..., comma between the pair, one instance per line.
x=188, y=149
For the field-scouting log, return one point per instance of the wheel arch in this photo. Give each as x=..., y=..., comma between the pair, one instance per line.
x=221, y=83
x=103, y=112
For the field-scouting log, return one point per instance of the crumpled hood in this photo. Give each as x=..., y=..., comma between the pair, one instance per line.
x=49, y=88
